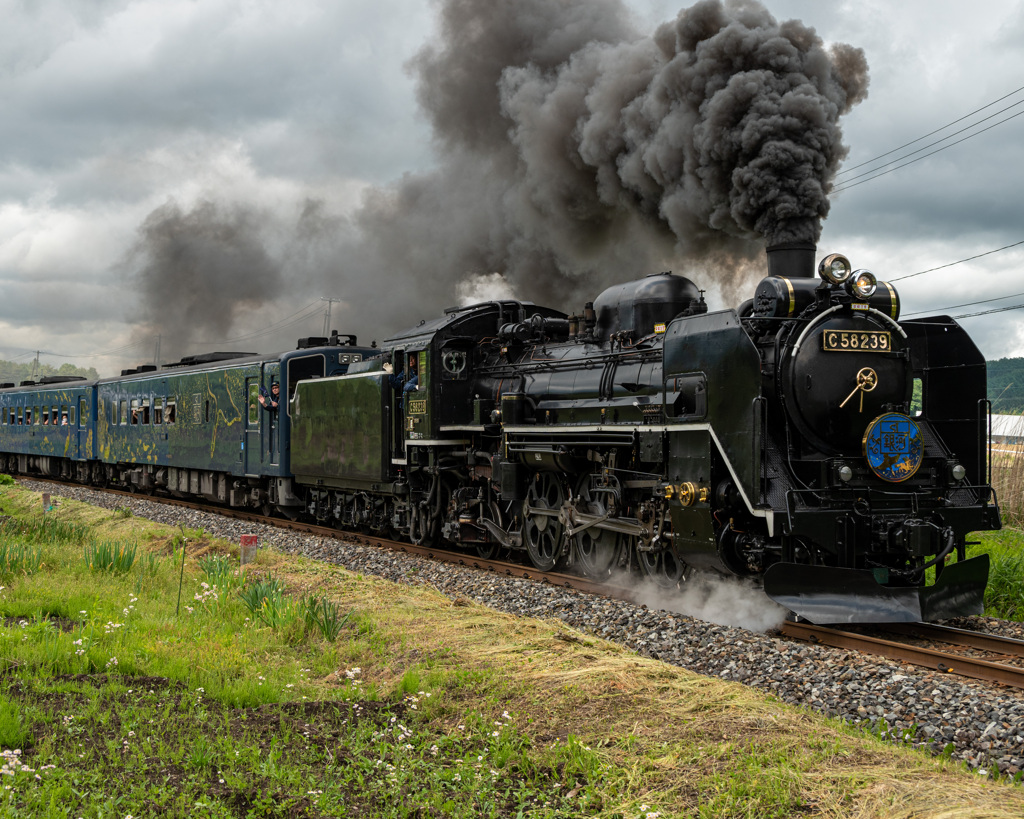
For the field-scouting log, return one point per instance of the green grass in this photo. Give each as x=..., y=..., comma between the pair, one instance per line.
x=116, y=706
x=1004, y=595
x=408, y=705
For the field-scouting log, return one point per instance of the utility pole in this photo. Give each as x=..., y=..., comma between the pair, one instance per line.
x=327, y=316
x=35, y=366
x=156, y=355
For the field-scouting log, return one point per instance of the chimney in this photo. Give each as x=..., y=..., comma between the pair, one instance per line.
x=794, y=260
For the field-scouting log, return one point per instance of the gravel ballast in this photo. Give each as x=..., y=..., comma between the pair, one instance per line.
x=983, y=723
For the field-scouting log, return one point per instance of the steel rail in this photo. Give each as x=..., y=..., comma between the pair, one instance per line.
x=925, y=657
x=960, y=637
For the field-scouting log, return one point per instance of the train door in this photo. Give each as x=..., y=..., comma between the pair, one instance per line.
x=83, y=427
x=252, y=445
x=396, y=405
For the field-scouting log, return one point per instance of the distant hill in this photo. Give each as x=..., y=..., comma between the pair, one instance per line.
x=1006, y=386
x=13, y=372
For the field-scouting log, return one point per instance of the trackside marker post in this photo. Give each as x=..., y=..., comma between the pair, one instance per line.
x=249, y=546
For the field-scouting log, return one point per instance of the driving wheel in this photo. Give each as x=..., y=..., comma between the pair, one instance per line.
x=542, y=530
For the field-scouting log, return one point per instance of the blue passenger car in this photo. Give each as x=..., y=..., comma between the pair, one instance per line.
x=195, y=428
x=47, y=427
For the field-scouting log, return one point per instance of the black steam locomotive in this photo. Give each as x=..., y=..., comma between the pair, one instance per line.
x=779, y=441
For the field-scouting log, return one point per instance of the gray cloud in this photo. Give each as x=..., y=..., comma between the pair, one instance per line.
x=512, y=137
x=303, y=95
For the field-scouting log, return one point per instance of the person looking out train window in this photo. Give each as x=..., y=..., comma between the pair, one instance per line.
x=405, y=381
x=270, y=402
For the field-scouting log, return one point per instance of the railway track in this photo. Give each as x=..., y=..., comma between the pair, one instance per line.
x=908, y=649
x=916, y=646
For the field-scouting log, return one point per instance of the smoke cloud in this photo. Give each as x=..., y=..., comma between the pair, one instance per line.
x=573, y=152
x=200, y=271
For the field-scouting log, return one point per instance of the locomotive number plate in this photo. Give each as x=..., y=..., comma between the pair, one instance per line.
x=871, y=341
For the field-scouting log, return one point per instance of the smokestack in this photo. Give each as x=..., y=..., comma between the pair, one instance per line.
x=794, y=260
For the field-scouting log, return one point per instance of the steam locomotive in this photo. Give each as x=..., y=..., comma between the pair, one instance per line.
x=780, y=441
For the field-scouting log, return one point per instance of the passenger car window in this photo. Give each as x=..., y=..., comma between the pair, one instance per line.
x=254, y=404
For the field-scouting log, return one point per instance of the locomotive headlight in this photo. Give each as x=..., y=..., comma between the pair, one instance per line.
x=958, y=471
x=862, y=285
x=835, y=268
x=845, y=473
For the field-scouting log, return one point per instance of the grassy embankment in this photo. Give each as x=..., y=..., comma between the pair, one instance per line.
x=115, y=703
x=1004, y=596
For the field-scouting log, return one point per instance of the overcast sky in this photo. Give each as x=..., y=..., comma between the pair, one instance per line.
x=207, y=171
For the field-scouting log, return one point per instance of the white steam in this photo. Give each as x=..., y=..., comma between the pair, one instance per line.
x=727, y=601
x=482, y=287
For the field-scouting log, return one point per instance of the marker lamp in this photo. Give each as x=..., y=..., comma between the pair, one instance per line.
x=862, y=285
x=835, y=268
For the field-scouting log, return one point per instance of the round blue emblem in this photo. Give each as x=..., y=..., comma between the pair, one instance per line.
x=893, y=447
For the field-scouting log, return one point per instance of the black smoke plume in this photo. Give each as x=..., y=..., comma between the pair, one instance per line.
x=574, y=152
x=200, y=271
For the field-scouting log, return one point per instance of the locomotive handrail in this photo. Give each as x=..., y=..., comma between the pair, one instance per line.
x=807, y=329
x=895, y=324
x=985, y=406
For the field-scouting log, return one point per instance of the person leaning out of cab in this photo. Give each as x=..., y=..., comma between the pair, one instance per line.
x=406, y=381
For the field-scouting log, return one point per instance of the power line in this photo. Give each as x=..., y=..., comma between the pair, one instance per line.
x=278, y=325
x=932, y=133
x=965, y=304
x=961, y=261
x=987, y=312
x=842, y=187
x=96, y=355
x=310, y=311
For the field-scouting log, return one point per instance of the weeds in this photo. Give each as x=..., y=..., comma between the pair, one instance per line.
x=105, y=556
x=1008, y=481
x=19, y=559
x=149, y=564
x=323, y=615
x=265, y=599
x=13, y=733
x=47, y=530
x=1004, y=595
x=258, y=593
x=219, y=570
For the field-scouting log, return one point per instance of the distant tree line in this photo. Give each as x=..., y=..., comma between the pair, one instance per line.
x=1006, y=386
x=12, y=372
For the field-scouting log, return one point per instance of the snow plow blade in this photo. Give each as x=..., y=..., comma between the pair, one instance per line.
x=824, y=595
